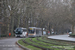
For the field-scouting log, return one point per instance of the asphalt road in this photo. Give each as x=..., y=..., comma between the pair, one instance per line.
x=9, y=44
x=62, y=37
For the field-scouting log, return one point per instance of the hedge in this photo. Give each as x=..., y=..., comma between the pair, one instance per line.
x=72, y=35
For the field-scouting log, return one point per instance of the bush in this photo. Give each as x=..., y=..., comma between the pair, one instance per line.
x=72, y=35
x=4, y=35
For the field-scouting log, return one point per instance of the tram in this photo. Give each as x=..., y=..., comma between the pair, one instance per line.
x=34, y=32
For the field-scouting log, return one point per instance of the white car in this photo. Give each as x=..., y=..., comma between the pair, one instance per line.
x=70, y=32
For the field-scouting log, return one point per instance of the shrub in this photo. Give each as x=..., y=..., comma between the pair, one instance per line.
x=4, y=35
x=72, y=35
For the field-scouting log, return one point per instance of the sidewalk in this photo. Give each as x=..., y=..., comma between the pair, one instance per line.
x=62, y=37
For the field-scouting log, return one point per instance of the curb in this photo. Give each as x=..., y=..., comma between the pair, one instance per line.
x=23, y=46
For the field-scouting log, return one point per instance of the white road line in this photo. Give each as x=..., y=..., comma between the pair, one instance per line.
x=8, y=45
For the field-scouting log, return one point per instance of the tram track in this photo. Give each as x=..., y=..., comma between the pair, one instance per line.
x=39, y=44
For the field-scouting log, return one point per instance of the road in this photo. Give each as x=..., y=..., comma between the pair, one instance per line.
x=9, y=44
x=62, y=37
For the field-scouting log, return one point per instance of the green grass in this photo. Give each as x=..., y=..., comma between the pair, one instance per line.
x=34, y=39
x=49, y=47
x=67, y=45
x=27, y=46
x=46, y=45
x=56, y=42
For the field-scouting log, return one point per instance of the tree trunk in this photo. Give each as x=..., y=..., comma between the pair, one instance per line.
x=72, y=28
x=18, y=21
x=12, y=27
x=24, y=23
x=27, y=26
x=8, y=26
x=8, y=30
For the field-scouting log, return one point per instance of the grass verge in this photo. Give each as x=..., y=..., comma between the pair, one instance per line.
x=27, y=46
x=63, y=43
x=35, y=42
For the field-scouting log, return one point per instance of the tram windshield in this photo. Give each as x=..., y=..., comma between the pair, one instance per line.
x=31, y=31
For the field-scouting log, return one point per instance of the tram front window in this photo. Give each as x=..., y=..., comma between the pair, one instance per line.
x=31, y=31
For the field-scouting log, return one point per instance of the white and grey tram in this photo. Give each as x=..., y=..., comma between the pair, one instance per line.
x=20, y=32
x=34, y=32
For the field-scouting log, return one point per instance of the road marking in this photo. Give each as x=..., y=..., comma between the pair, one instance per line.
x=8, y=45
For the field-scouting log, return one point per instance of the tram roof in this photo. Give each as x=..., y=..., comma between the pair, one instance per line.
x=34, y=27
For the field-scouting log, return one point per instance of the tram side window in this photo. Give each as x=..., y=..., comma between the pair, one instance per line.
x=38, y=31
